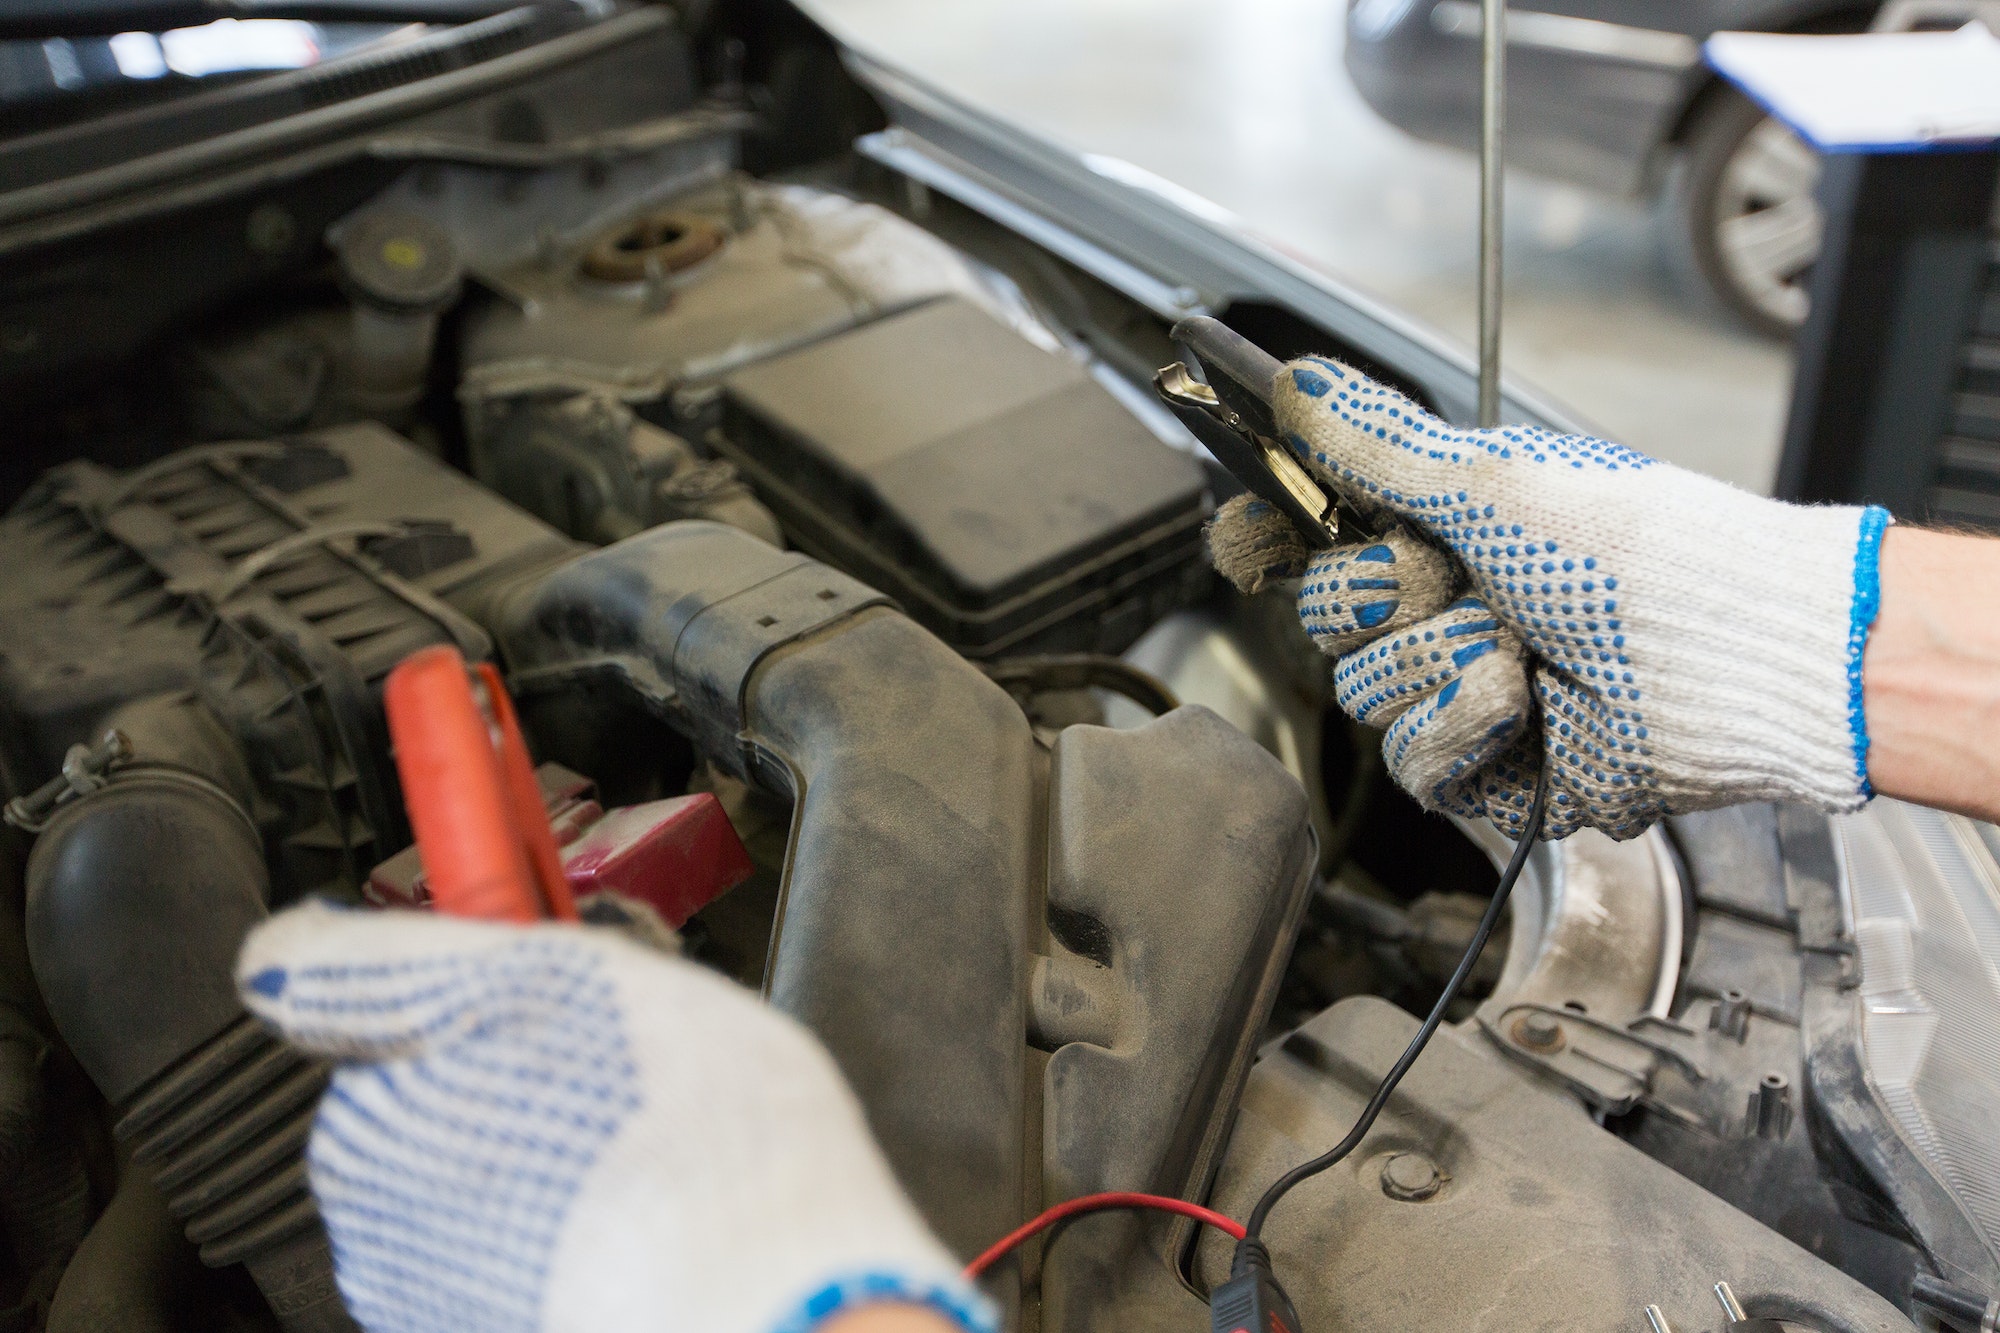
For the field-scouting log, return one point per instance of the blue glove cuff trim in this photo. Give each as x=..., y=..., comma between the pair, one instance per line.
x=955, y=1300
x=1861, y=618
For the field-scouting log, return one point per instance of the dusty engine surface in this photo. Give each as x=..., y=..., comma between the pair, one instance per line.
x=225, y=616
x=272, y=585
x=901, y=415
x=972, y=505
x=800, y=488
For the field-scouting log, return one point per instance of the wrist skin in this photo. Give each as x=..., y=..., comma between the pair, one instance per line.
x=891, y=1319
x=1931, y=672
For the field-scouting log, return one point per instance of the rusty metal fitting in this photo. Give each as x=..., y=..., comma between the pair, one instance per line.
x=653, y=246
x=1538, y=1032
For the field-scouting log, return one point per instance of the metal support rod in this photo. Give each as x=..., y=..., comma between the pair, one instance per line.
x=1492, y=173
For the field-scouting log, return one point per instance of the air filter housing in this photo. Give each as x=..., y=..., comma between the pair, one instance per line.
x=996, y=490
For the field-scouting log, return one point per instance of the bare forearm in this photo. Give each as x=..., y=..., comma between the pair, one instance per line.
x=1931, y=674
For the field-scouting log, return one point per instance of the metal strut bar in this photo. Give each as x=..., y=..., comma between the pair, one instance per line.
x=1492, y=133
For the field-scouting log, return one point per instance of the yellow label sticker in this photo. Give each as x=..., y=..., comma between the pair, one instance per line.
x=403, y=252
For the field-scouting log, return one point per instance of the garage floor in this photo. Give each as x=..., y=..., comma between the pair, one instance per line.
x=1246, y=103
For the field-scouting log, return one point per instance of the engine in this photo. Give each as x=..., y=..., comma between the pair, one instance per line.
x=804, y=491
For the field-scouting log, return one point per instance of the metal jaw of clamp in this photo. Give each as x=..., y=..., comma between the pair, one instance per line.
x=1230, y=413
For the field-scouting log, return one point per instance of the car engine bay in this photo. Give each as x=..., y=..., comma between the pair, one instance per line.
x=765, y=471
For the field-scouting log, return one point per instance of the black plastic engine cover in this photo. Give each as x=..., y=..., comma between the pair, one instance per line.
x=231, y=610
x=276, y=583
x=1005, y=947
x=1042, y=968
x=996, y=490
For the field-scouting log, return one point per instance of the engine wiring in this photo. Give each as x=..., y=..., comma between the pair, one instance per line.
x=1114, y=1201
x=1251, y=1265
x=1252, y=1297
x=1383, y=1090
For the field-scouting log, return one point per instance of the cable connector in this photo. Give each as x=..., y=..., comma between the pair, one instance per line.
x=1964, y=1309
x=1251, y=1301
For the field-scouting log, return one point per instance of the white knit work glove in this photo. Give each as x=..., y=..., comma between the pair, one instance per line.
x=555, y=1128
x=1689, y=645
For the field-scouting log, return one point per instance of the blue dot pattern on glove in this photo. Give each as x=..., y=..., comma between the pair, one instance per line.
x=1358, y=591
x=1351, y=595
x=427, y=1232
x=1375, y=684
x=1564, y=603
x=1274, y=549
x=1412, y=682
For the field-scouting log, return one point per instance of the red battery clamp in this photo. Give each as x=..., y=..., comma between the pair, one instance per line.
x=470, y=789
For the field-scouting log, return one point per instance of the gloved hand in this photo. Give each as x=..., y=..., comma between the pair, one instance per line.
x=553, y=1127
x=1687, y=645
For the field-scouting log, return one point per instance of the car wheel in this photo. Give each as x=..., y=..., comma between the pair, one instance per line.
x=1752, y=222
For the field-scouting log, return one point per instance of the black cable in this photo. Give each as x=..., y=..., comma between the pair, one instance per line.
x=1306, y=1170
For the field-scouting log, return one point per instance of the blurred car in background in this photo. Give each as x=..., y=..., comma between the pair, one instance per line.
x=1613, y=95
x=529, y=329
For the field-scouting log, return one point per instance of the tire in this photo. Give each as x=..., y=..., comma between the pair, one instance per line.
x=1749, y=216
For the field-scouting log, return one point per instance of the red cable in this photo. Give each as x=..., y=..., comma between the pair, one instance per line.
x=1091, y=1203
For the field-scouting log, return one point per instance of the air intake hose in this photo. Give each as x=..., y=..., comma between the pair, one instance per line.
x=1149, y=881
x=903, y=935
x=138, y=897
x=44, y=1194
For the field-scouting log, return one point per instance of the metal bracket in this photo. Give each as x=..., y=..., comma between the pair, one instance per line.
x=85, y=769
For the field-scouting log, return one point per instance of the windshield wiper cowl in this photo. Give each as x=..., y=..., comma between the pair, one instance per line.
x=33, y=19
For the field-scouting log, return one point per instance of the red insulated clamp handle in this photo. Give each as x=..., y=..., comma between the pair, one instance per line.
x=474, y=806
